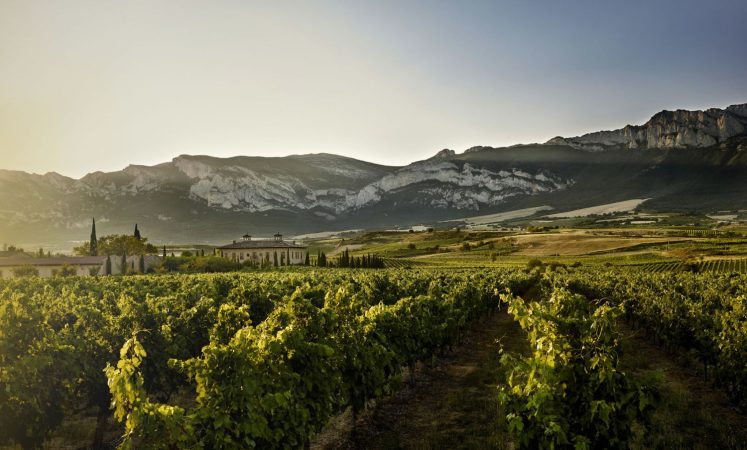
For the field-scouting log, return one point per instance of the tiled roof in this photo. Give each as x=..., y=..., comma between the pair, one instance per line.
x=71, y=260
x=13, y=254
x=260, y=244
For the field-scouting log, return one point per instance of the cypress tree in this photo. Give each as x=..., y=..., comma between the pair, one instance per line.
x=164, y=252
x=93, y=249
x=306, y=261
x=108, y=266
x=123, y=263
x=137, y=233
x=275, y=258
x=142, y=264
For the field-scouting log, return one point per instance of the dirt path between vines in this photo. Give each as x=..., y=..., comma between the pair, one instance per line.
x=453, y=405
x=692, y=414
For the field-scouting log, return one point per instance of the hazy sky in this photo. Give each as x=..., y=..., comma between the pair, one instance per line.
x=97, y=85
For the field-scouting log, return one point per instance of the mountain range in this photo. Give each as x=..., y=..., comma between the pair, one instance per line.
x=679, y=160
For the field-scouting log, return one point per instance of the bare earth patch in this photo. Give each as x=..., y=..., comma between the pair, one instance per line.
x=577, y=243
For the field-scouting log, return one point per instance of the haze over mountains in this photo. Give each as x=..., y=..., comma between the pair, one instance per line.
x=681, y=160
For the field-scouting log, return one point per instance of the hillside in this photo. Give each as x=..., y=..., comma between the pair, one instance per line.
x=681, y=160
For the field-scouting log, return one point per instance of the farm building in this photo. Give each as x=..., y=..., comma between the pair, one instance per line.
x=72, y=265
x=48, y=267
x=273, y=251
x=13, y=254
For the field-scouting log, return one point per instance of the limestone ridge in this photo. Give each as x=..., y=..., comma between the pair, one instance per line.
x=668, y=130
x=681, y=160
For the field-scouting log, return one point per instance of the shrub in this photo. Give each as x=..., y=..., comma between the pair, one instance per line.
x=25, y=271
x=534, y=262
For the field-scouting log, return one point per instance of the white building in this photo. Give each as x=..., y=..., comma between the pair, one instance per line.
x=49, y=267
x=274, y=251
x=73, y=265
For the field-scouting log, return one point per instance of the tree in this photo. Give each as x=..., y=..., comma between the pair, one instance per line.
x=164, y=252
x=117, y=244
x=123, y=264
x=136, y=235
x=307, y=262
x=275, y=258
x=93, y=246
x=141, y=265
x=108, y=266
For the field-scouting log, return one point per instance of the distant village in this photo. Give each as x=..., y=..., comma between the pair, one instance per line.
x=133, y=254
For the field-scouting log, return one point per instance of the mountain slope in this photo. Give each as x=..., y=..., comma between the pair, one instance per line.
x=694, y=160
x=668, y=129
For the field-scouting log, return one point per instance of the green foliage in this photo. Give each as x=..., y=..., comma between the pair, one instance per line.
x=93, y=247
x=359, y=262
x=25, y=271
x=147, y=424
x=276, y=384
x=32, y=374
x=66, y=271
x=261, y=359
x=118, y=244
x=699, y=316
x=200, y=264
x=570, y=392
x=534, y=263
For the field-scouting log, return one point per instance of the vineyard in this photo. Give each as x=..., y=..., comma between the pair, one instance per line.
x=714, y=265
x=265, y=360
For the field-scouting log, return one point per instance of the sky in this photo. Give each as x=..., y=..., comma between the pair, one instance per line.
x=98, y=85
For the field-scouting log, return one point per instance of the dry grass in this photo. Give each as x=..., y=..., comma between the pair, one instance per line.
x=577, y=243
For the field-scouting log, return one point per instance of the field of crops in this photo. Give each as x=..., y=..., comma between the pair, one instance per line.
x=713, y=265
x=264, y=360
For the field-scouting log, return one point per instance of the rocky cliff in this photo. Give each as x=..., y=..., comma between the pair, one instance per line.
x=694, y=160
x=668, y=129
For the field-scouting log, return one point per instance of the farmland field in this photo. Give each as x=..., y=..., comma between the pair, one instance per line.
x=271, y=359
x=333, y=358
